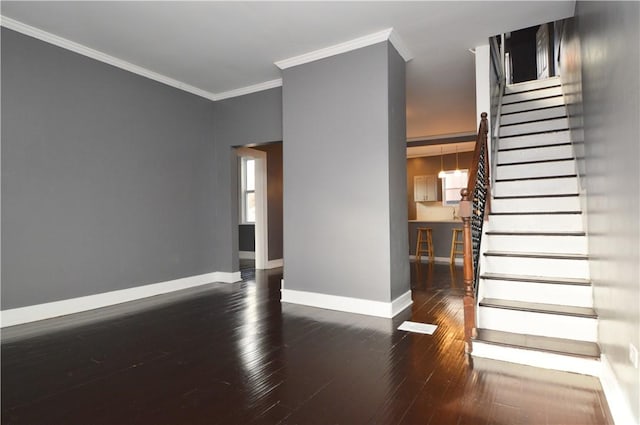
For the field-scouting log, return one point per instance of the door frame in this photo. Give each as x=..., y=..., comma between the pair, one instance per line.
x=261, y=223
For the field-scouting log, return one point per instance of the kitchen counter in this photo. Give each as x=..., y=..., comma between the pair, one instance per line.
x=442, y=232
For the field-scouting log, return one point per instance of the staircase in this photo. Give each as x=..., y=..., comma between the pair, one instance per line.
x=535, y=298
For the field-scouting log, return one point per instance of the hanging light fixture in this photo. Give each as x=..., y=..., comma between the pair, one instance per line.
x=441, y=174
x=457, y=172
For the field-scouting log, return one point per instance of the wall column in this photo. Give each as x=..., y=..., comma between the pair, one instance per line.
x=345, y=211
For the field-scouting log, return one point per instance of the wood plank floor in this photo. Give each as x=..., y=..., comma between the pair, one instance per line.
x=233, y=354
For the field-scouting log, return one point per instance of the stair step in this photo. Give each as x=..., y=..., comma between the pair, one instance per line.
x=545, y=266
x=531, y=140
x=541, y=242
x=535, y=154
x=533, y=115
x=538, y=279
x=532, y=85
x=552, y=176
x=563, y=202
x=534, y=127
x=541, y=187
x=538, y=222
x=540, y=343
x=556, y=321
x=552, y=256
x=537, y=291
x=548, y=169
x=547, y=102
x=531, y=95
x=556, y=309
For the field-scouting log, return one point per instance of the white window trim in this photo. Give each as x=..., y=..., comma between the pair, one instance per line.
x=243, y=188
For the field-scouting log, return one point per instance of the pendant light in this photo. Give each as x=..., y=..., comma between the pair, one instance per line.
x=441, y=174
x=457, y=172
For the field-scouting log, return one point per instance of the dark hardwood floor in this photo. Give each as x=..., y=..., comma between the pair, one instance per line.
x=233, y=354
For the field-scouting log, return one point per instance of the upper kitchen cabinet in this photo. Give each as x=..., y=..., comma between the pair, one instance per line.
x=425, y=188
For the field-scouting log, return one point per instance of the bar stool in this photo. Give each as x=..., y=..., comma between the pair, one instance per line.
x=425, y=243
x=457, y=245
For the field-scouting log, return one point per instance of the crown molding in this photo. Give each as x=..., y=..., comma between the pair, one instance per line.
x=81, y=49
x=249, y=89
x=357, y=43
x=100, y=56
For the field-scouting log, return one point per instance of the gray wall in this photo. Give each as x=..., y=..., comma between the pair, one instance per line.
x=610, y=83
x=337, y=176
x=107, y=177
x=245, y=120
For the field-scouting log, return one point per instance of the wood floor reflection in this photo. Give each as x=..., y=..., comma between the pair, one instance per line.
x=233, y=354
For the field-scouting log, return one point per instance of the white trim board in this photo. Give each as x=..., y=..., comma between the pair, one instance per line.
x=273, y=264
x=32, y=313
x=348, y=304
x=618, y=405
x=81, y=49
x=357, y=43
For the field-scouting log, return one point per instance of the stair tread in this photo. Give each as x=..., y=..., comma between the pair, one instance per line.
x=539, y=343
x=534, y=233
x=515, y=179
x=536, y=212
x=550, y=145
x=565, y=310
x=558, y=117
x=540, y=279
x=552, y=195
x=556, y=256
x=535, y=161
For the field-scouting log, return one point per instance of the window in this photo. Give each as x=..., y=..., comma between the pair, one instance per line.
x=248, y=190
x=452, y=182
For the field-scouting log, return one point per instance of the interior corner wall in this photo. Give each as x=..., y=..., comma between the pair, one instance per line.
x=610, y=72
x=107, y=177
x=239, y=121
x=336, y=175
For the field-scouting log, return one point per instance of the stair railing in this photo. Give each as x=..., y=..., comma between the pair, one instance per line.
x=474, y=209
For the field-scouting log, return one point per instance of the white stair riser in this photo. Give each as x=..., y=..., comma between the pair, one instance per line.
x=537, y=187
x=535, y=154
x=584, y=366
x=532, y=104
x=543, y=324
x=531, y=85
x=531, y=95
x=536, y=223
x=543, y=139
x=534, y=127
x=568, y=203
x=534, y=292
x=543, y=267
x=549, y=169
x=537, y=114
x=546, y=244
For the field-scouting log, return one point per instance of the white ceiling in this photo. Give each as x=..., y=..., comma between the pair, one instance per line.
x=223, y=46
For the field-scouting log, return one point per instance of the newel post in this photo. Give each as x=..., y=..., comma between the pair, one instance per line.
x=469, y=294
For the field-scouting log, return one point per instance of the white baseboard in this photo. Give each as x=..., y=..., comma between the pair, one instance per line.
x=445, y=260
x=618, y=404
x=247, y=255
x=272, y=264
x=348, y=304
x=32, y=313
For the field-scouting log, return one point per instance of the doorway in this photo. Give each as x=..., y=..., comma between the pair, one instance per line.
x=260, y=199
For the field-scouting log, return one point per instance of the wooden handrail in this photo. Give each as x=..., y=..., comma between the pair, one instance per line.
x=474, y=209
